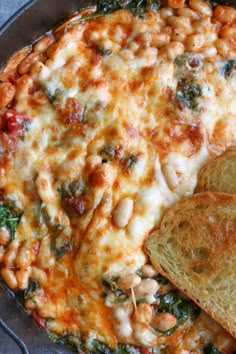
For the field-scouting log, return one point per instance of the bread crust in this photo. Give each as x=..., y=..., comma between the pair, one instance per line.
x=219, y=174
x=195, y=248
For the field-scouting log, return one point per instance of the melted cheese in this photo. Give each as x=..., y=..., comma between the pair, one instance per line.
x=124, y=102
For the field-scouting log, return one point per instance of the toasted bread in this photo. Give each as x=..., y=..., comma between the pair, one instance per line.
x=219, y=175
x=195, y=248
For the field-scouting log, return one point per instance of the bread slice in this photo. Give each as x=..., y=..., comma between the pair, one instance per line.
x=219, y=175
x=195, y=248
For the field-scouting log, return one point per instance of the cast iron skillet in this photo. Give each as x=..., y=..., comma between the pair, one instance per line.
x=28, y=24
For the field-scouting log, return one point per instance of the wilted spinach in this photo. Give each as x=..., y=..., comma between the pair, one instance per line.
x=32, y=288
x=210, y=349
x=228, y=68
x=100, y=348
x=10, y=220
x=137, y=7
x=181, y=308
x=187, y=93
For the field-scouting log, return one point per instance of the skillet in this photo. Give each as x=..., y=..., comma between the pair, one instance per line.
x=30, y=22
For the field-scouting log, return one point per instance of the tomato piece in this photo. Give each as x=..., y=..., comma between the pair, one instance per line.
x=41, y=322
x=12, y=129
x=12, y=79
x=144, y=350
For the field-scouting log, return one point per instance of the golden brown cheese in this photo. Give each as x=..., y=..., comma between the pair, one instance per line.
x=115, y=116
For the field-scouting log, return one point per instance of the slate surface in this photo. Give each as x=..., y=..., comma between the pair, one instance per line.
x=7, y=8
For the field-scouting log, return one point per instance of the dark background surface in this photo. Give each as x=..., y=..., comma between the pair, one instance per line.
x=8, y=7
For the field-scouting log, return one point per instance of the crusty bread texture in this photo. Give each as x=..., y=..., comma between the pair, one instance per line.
x=219, y=175
x=195, y=248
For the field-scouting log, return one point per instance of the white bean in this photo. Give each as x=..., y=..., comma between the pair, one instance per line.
x=11, y=253
x=164, y=321
x=22, y=277
x=145, y=335
x=172, y=49
x=170, y=175
x=122, y=312
x=43, y=43
x=104, y=175
x=123, y=212
x=92, y=162
x=143, y=313
x=44, y=187
x=27, y=253
x=194, y=42
x=39, y=275
x=2, y=252
x=4, y=236
x=45, y=257
x=129, y=281
x=201, y=6
x=9, y=277
x=146, y=287
x=225, y=14
x=166, y=12
x=148, y=270
x=186, y=12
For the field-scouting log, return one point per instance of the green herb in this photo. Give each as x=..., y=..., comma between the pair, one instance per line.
x=61, y=250
x=181, y=308
x=210, y=349
x=190, y=62
x=130, y=161
x=32, y=288
x=72, y=189
x=187, y=93
x=105, y=52
x=168, y=299
x=53, y=96
x=110, y=282
x=228, y=68
x=160, y=279
x=109, y=151
x=100, y=348
x=9, y=220
x=126, y=349
x=137, y=7
x=69, y=339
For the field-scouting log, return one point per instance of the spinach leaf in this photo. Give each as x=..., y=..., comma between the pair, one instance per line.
x=9, y=220
x=160, y=279
x=101, y=348
x=126, y=349
x=109, y=151
x=181, y=308
x=62, y=249
x=228, y=69
x=210, y=349
x=130, y=161
x=32, y=288
x=72, y=189
x=104, y=52
x=168, y=299
x=187, y=93
x=137, y=7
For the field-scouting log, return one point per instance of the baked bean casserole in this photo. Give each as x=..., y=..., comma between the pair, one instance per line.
x=105, y=122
